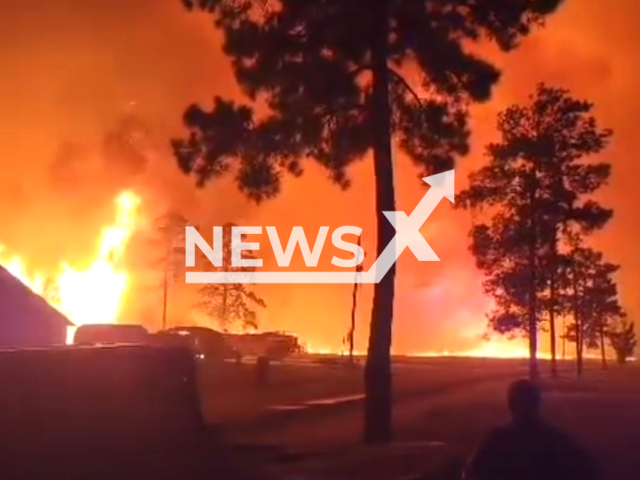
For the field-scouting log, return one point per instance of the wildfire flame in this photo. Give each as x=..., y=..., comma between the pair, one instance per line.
x=95, y=294
x=495, y=348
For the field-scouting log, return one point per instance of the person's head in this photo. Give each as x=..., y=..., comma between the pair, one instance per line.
x=524, y=399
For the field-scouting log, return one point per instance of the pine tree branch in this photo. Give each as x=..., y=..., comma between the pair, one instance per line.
x=396, y=76
x=403, y=81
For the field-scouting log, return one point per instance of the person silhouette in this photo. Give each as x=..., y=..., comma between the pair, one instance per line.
x=529, y=448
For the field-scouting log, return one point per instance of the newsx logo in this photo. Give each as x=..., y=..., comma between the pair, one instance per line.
x=407, y=236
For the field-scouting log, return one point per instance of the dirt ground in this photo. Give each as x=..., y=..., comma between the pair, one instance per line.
x=438, y=427
x=230, y=393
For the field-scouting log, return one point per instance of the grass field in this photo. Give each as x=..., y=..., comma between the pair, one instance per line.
x=229, y=392
x=443, y=407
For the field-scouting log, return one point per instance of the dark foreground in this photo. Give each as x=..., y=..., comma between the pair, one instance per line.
x=440, y=418
x=306, y=424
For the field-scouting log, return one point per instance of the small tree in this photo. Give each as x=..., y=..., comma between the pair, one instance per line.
x=168, y=238
x=229, y=304
x=602, y=308
x=622, y=338
x=594, y=298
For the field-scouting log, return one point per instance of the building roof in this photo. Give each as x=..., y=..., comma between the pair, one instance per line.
x=19, y=302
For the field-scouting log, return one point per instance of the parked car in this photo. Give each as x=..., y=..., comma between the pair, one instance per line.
x=273, y=345
x=282, y=347
x=207, y=344
x=111, y=334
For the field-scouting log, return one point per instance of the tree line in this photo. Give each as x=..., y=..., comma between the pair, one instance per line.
x=327, y=80
x=534, y=210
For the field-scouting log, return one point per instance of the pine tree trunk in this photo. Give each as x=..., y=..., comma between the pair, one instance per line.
x=533, y=338
x=578, y=325
x=552, y=330
x=378, y=407
x=603, y=353
x=533, y=307
x=579, y=344
x=580, y=351
x=564, y=340
x=552, y=301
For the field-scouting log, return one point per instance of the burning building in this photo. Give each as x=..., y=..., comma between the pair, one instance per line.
x=26, y=319
x=90, y=295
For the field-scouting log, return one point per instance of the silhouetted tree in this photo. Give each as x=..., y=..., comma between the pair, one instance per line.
x=595, y=301
x=622, y=337
x=503, y=252
x=229, y=303
x=329, y=73
x=565, y=135
x=534, y=188
x=602, y=307
x=168, y=238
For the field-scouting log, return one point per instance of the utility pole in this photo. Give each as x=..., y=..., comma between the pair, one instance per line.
x=354, y=304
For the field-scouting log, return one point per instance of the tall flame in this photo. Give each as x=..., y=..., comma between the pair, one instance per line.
x=95, y=294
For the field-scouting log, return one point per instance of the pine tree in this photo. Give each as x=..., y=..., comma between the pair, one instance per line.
x=622, y=337
x=595, y=301
x=331, y=76
x=229, y=304
x=168, y=238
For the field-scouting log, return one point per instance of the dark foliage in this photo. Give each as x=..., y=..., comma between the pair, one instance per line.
x=594, y=301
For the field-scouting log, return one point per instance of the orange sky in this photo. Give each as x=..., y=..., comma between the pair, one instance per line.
x=71, y=67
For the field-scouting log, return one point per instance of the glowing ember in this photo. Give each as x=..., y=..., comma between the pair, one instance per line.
x=95, y=294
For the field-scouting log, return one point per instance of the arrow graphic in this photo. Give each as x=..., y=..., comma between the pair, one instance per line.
x=407, y=236
x=408, y=228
